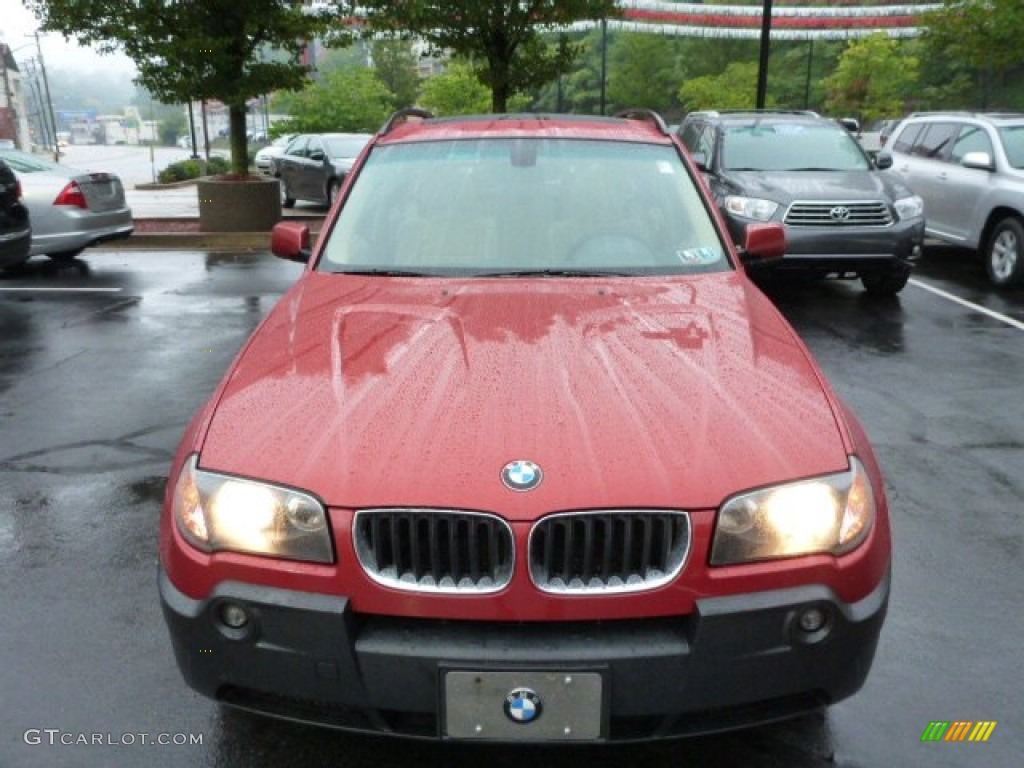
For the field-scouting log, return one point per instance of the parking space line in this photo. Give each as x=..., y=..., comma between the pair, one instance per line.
x=4, y=289
x=969, y=304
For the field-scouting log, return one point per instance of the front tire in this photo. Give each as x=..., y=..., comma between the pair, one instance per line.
x=65, y=256
x=887, y=283
x=1004, y=253
x=286, y=201
x=332, y=191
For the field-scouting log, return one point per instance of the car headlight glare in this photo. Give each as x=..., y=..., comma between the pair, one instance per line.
x=909, y=207
x=830, y=514
x=220, y=513
x=751, y=207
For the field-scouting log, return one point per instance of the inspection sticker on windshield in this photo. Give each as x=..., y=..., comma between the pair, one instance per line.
x=665, y=167
x=698, y=256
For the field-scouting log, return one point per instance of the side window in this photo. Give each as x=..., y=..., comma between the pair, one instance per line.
x=936, y=142
x=297, y=147
x=688, y=135
x=706, y=144
x=905, y=139
x=972, y=138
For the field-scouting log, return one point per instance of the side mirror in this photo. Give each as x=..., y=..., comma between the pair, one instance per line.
x=764, y=242
x=883, y=161
x=317, y=154
x=979, y=160
x=291, y=241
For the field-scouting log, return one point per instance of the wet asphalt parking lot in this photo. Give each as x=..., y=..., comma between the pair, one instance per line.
x=104, y=360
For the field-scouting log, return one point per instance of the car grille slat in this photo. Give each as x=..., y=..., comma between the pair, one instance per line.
x=870, y=213
x=610, y=551
x=431, y=550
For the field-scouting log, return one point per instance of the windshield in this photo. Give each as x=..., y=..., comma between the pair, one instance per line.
x=505, y=206
x=346, y=147
x=1013, y=143
x=26, y=163
x=791, y=147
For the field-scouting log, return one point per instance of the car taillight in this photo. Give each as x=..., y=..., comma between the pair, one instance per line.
x=17, y=189
x=71, y=195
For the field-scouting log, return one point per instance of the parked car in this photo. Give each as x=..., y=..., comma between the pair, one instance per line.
x=314, y=165
x=15, y=229
x=843, y=218
x=874, y=137
x=266, y=157
x=70, y=209
x=969, y=169
x=525, y=456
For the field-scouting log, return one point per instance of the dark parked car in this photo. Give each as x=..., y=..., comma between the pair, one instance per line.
x=15, y=232
x=843, y=217
x=314, y=165
x=525, y=456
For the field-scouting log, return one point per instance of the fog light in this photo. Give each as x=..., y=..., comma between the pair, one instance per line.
x=812, y=620
x=233, y=615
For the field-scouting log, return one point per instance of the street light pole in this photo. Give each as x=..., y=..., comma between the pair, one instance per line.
x=762, y=67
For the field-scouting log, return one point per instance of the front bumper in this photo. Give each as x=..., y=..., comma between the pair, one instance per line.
x=847, y=251
x=737, y=661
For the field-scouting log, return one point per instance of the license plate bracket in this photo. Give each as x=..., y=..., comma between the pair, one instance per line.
x=523, y=705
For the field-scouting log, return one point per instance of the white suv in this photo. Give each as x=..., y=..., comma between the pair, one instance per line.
x=969, y=169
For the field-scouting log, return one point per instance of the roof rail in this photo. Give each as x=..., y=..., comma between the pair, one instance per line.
x=646, y=115
x=719, y=112
x=404, y=116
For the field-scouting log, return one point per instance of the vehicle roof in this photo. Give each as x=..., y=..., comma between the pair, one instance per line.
x=527, y=125
x=766, y=115
x=996, y=118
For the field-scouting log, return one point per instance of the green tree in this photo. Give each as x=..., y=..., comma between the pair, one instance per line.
x=644, y=71
x=457, y=92
x=504, y=36
x=874, y=79
x=395, y=65
x=191, y=50
x=350, y=99
x=986, y=34
x=735, y=88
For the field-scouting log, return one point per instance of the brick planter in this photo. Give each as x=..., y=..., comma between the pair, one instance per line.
x=231, y=205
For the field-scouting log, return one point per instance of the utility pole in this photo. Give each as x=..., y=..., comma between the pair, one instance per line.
x=49, y=100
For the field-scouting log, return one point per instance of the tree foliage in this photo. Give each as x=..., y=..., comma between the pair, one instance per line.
x=456, y=92
x=644, y=71
x=345, y=100
x=986, y=34
x=875, y=79
x=395, y=65
x=503, y=37
x=196, y=49
x=735, y=88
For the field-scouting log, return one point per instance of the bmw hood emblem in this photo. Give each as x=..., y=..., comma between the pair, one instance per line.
x=521, y=475
x=522, y=705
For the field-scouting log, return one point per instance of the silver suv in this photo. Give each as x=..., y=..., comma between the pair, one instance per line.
x=969, y=169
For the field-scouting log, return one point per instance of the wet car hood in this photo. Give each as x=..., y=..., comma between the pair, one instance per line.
x=641, y=392
x=784, y=187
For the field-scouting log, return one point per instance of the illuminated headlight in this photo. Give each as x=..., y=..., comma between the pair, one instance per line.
x=221, y=513
x=831, y=514
x=909, y=207
x=751, y=207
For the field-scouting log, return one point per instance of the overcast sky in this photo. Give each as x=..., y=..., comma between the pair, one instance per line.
x=16, y=27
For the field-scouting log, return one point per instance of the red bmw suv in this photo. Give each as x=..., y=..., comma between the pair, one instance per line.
x=525, y=456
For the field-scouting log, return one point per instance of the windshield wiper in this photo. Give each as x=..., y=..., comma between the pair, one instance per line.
x=385, y=272
x=556, y=273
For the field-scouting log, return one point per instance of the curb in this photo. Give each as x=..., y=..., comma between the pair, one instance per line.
x=177, y=241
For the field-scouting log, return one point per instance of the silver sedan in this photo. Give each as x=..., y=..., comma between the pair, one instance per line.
x=70, y=209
